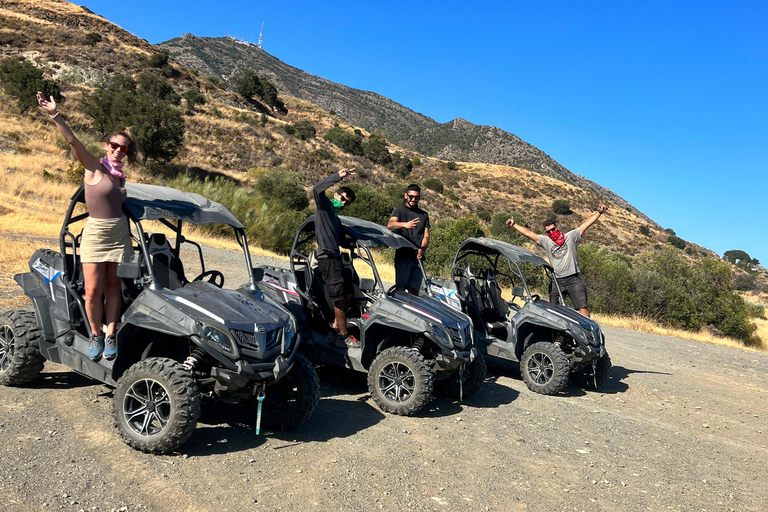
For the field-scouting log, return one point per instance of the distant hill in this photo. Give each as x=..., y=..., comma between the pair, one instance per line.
x=225, y=58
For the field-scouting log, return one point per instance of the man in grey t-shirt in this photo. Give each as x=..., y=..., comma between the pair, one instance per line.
x=562, y=252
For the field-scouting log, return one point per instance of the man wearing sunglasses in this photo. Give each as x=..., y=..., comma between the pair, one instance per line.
x=327, y=231
x=561, y=250
x=411, y=222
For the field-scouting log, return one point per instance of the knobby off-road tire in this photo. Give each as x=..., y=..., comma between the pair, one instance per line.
x=20, y=359
x=400, y=381
x=290, y=401
x=471, y=379
x=156, y=405
x=545, y=368
x=585, y=379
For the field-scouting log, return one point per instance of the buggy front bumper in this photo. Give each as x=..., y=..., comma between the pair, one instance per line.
x=449, y=361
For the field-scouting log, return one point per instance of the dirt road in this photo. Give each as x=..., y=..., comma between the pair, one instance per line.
x=681, y=426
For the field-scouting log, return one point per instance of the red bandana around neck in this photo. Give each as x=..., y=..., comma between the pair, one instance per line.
x=557, y=236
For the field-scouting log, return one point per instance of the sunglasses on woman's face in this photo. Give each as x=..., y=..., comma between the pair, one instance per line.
x=115, y=145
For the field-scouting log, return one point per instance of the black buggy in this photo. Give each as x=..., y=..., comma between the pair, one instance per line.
x=178, y=340
x=551, y=341
x=408, y=344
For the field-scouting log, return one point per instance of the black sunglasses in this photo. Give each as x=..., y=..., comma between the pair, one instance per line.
x=551, y=229
x=414, y=198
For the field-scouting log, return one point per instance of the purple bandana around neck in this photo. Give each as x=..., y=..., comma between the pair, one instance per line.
x=114, y=167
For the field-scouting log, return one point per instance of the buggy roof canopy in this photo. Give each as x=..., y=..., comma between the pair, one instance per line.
x=153, y=202
x=513, y=253
x=365, y=233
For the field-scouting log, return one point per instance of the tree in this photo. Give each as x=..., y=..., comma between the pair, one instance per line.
x=22, y=80
x=248, y=85
x=375, y=150
x=269, y=95
x=159, y=88
x=194, y=97
x=739, y=258
x=401, y=165
x=157, y=125
x=561, y=207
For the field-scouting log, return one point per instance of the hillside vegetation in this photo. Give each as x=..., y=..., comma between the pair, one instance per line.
x=260, y=163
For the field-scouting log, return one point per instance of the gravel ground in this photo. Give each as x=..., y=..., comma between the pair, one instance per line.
x=680, y=426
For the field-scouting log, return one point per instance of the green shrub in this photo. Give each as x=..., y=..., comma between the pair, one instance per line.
x=375, y=150
x=370, y=204
x=416, y=161
x=644, y=230
x=159, y=59
x=284, y=187
x=483, y=215
x=561, y=207
x=676, y=241
x=351, y=143
x=434, y=184
x=22, y=80
x=159, y=88
x=445, y=237
x=450, y=194
x=401, y=165
x=92, y=38
x=303, y=130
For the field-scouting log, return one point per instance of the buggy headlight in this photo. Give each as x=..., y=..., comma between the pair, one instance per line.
x=443, y=337
x=216, y=337
x=289, y=335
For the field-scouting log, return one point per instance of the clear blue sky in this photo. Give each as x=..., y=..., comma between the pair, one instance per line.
x=663, y=102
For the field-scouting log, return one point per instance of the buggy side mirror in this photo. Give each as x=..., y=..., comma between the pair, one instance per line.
x=367, y=284
x=517, y=291
x=129, y=269
x=258, y=274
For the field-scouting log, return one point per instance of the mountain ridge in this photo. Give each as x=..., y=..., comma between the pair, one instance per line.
x=460, y=140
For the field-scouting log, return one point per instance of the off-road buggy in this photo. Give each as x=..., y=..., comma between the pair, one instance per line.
x=551, y=341
x=408, y=344
x=179, y=340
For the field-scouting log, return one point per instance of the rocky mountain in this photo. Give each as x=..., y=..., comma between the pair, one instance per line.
x=225, y=58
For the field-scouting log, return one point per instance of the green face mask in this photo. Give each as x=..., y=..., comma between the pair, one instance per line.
x=336, y=206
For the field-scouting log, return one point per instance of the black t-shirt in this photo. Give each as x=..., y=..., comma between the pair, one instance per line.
x=327, y=225
x=415, y=235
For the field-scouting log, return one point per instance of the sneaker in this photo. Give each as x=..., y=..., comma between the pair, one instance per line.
x=97, y=347
x=350, y=341
x=110, y=350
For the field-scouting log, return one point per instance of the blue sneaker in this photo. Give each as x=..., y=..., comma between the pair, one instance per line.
x=110, y=350
x=97, y=347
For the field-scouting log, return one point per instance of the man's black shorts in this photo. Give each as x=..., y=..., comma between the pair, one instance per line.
x=572, y=286
x=337, y=279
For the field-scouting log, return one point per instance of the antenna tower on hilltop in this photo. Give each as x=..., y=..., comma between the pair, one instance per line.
x=260, y=36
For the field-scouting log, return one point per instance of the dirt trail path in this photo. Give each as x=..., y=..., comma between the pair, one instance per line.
x=681, y=426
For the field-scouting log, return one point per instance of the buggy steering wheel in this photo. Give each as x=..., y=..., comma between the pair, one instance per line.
x=215, y=277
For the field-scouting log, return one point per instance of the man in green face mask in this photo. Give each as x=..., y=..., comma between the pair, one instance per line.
x=327, y=230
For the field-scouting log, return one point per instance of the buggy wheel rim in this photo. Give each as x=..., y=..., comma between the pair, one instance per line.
x=540, y=368
x=397, y=382
x=6, y=347
x=147, y=407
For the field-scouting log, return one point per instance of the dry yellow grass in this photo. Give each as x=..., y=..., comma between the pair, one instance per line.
x=14, y=259
x=644, y=325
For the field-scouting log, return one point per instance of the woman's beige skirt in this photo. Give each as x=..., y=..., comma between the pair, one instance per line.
x=106, y=240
